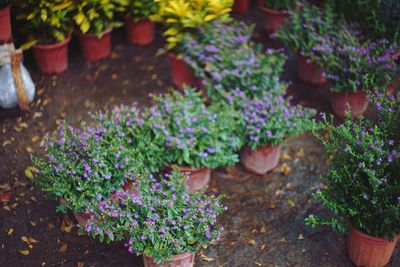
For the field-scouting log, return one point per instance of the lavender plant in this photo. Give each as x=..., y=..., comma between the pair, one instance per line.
x=192, y=134
x=363, y=185
x=268, y=121
x=230, y=63
x=80, y=164
x=157, y=218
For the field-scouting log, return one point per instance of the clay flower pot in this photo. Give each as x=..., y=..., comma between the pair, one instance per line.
x=182, y=260
x=357, y=100
x=5, y=25
x=182, y=74
x=369, y=251
x=273, y=19
x=198, y=177
x=261, y=160
x=94, y=48
x=140, y=32
x=308, y=71
x=52, y=59
x=240, y=6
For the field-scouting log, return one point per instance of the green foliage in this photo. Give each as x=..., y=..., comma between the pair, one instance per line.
x=190, y=133
x=139, y=9
x=158, y=218
x=280, y=5
x=47, y=22
x=363, y=184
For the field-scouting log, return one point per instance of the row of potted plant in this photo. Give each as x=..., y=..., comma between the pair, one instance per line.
x=49, y=25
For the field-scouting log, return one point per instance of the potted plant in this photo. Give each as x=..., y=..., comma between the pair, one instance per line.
x=276, y=12
x=268, y=121
x=230, y=64
x=140, y=29
x=181, y=18
x=5, y=22
x=353, y=66
x=303, y=32
x=194, y=137
x=159, y=220
x=95, y=22
x=362, y=186
x=240, y=6
x=49, y=28
x=81, y=165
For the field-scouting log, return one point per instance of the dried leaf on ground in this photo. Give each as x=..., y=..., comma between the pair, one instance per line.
x=80, y=264
x=24, y=252
x=301, y=237
x=250, y=241
x=300, y=153
x=263, y=229
x=263, y=246
x=63, y=248
x=285, y=169
x=291, y=203
x=5, y=197
x=10, y=231
x=67, y=224
x=286, y=156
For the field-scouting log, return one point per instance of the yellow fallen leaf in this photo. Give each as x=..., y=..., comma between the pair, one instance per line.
x=250, y=241
x=32, y=223
x=80, y=264
x=63, y=248
x=263, y=246
x=291, y=203
x=285, y=169
x=24, y=252
x=29, y=150
x=37, y=115
x=6, y=143
x=7, y=208
x=286, y=156
x=10, y=231
x=300, y=153
x=23, y=125
x=263, y=229
x=33, y=199
x=29, y=172
x=32, y=240
x=25, y=239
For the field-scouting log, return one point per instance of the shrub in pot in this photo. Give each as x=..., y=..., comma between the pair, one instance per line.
x=362, y=187
x=276, y=12
x=230, y=63
x=194, y=137
x=181, y=18
x=82, y=164
x=95, y=21
x=5, y=21
x=159, y=220
x=267, y=122
x=48, y=25
x=139, y=28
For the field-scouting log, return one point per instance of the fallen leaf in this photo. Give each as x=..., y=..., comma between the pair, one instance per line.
x=29, y=172
x=23, y=125
x=5, y=197
x=10, y=231
x=66, y=224
x=33, y=199
x=35, y=138
x=301, y=237
x=80, y=264
x=257, y=263
x=285, y=169
x=29, y=150
x=25, y=239
x=250, y=241
x=6, y=143
x=32, y=240
x=263, y=246
x=24, y=252
x=18, y=129
x=114, y=76
x=7, y=208
x=5, y=187
x=291, y=203
x=63, y=248
x=286, y=156
x=263, y=229
x=32, y=223
x=37, y=115
x=300, y=153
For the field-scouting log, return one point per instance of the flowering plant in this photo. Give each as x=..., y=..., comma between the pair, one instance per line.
x=47, y=22
x=280, y=5
x=269, y=120
x=93, y=16
x=81, y=164
x=192, y=134
x=157, y=218
x=182, y=16
x=139, y=9
x=230, y=64
x=363, y=183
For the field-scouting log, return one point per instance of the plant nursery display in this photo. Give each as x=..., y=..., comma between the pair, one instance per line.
x=181, y=17
x=140, y=29
x=49, y=27
x=276, y=12
x=5, y=21
x=95, y=22
x=158, y=219
x=362, y=187
x=268, y=121
x=81, y=165
x=231, y=64
x=194, y=137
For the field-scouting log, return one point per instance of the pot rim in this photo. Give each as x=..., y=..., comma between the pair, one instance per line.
x=346, y=93
x=373, y=238
x=177, y=257
x=5, y=11
x=93, y=35
x=53, y=46
x=184, y=168
x=282, y=13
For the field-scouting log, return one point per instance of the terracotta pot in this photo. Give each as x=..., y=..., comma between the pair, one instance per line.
x=261, y=160
x=273, y=19
x=240, y=6
x=94, y=48
x=357, y=100
x=182, y=74
x=140, y=32
x=182, y=260
x=82, y=218
x=198, y=177
x=5, y=25
x=308, y=71
x=51, y=59
x=369, y=251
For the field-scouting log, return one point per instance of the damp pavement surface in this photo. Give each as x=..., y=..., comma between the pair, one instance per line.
x=264, y=223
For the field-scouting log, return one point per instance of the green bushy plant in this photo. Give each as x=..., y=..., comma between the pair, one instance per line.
x=139, y=9
x=280, y=5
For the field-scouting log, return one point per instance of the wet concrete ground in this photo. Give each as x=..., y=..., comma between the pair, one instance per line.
x=264, y=223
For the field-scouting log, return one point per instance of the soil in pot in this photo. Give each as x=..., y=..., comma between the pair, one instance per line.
x=240, y=6
x=181, y=73
x=357, y=100
x=198, y=177
x=52, y=59
x=308, y=71
x=369, y=251
x=273, y=20
x=94, y=48
x=261, y=160
x=182, y=260
x=140, y=32
x=5, y=25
